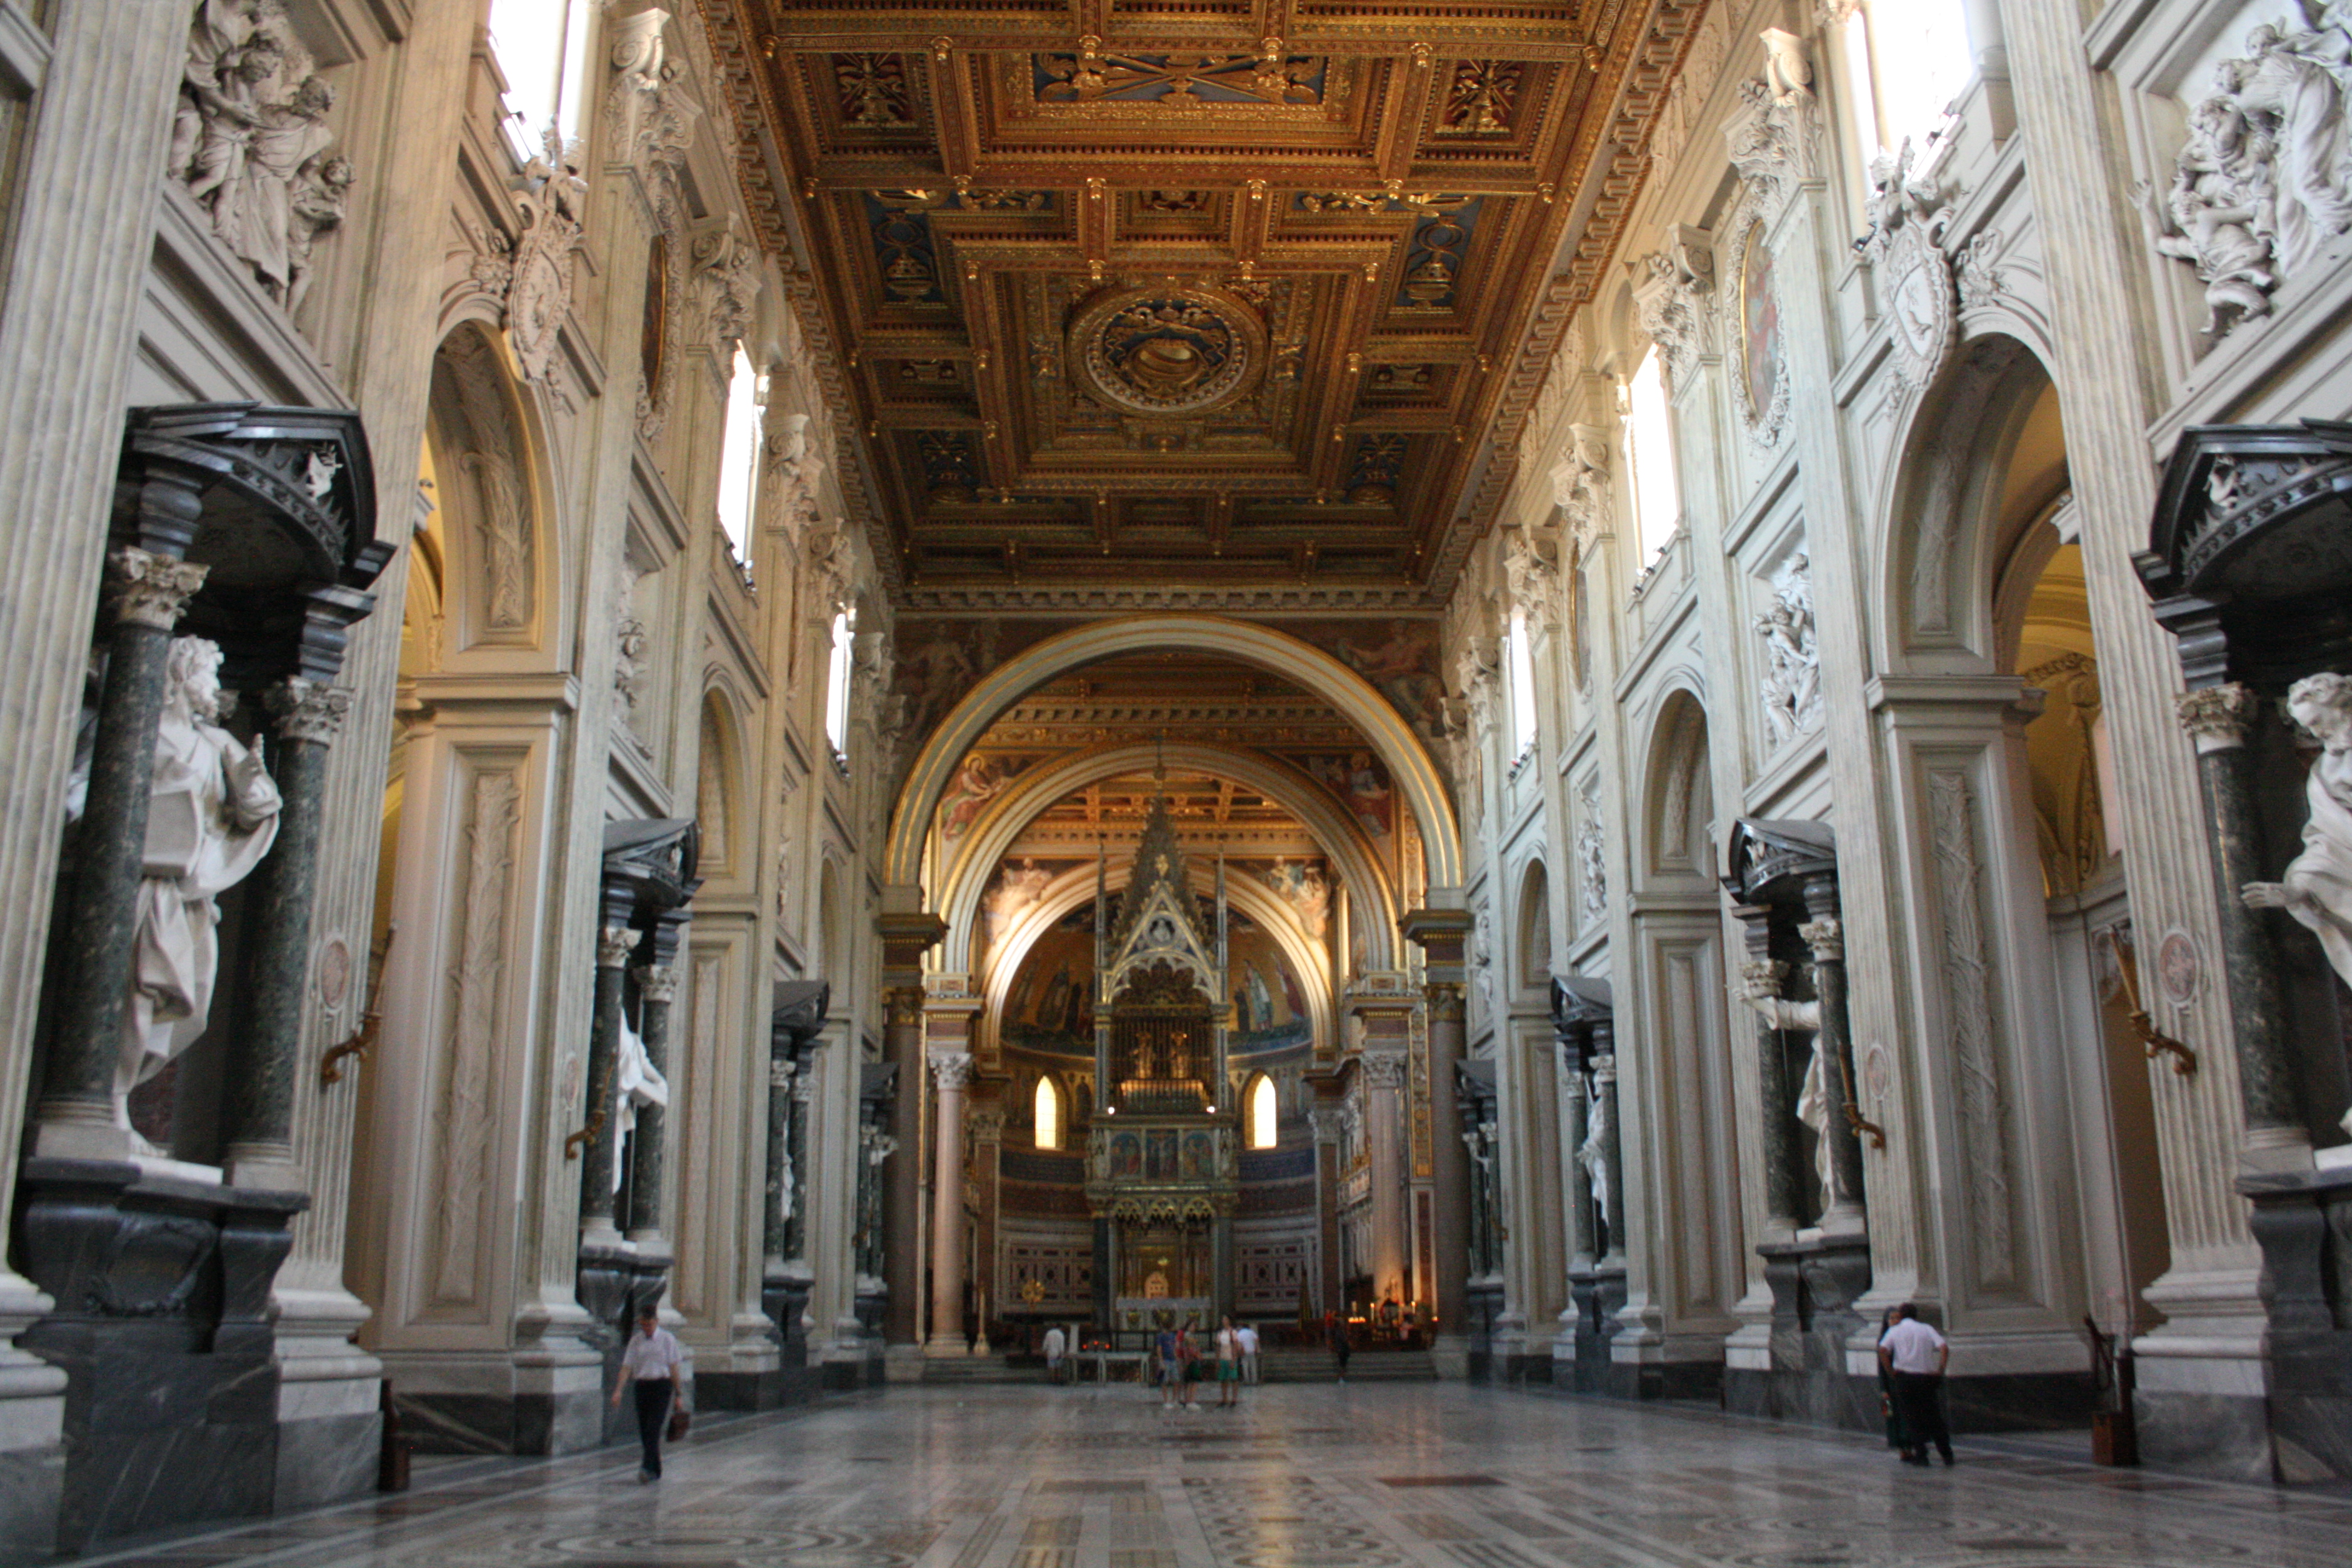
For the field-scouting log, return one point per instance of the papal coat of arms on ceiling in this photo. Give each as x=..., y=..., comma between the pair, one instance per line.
x=1168, y=348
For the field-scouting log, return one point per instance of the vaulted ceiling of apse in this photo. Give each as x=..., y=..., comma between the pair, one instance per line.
x=1197, y=292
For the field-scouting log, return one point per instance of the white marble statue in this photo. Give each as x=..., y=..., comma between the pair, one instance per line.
x=1791, y=690
x=211, y=816
x=2318, y=886
x=1594, y=1152
x=1759, y=990
x=636, y=1082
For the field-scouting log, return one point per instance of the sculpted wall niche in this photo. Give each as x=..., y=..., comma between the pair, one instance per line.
x=250, y=142
x=2263, y=184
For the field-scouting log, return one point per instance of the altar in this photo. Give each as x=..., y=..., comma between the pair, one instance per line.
x=1145, y=1314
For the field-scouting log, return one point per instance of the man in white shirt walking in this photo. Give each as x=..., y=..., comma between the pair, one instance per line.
x=1915, y=1355
x=1249, y=1354
x=1056, y=1344
x=650, y=1360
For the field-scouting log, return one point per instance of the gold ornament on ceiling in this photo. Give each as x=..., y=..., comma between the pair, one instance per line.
x=1169, y=348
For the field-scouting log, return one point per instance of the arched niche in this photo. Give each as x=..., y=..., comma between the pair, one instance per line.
x=1677, y=837
x=1416, y=775
x=1357, y=865
x=1075, y=887
x=1532, y=951
x=718, y=792
x=1983, y=453
x=500, y=592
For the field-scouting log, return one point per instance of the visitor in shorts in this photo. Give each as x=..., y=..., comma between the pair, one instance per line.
x=1166, y=1370
x=1916, y=1353
x=1229, y=1364
x=1249, y=1354
x=650, y=1360
x=1187, y=1362
x=1056, y=1344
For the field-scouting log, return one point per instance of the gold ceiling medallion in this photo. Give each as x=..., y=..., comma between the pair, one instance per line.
x=1169, y=348
x=1177, y=81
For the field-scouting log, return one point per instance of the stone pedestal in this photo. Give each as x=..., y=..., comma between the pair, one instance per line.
x=162, y=1330
x=614, y=1284
x=1595, y=1296
x=2303, y=1221
x=1815, y=1283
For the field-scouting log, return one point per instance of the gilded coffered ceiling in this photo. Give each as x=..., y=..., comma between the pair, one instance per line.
x=1206, y=294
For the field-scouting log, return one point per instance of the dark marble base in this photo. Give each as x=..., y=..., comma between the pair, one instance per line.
x=1815, y=1284
x=2021, y=1402
x=2303, y=1221
x=162, y=1286
x=614, y=1284
x=1700, y=1380
x=847, y=1376
x=457, y=1423
x=570, y=1423
x=756, y=1391
x=1524, y=1368
x=1481, y=1304
x=32, y=1490
x=1597, y=1294
x=328, y=1459
x=2223, y=1435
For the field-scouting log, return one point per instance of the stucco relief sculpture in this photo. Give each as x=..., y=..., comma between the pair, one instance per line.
x=211, y=815
x=2263, y=181
x=541, y=295
x=2316, y=888
x=250, y=140
x=1791, y=687
x=1591, y=860
x=1905, y=246
x=1674, y=299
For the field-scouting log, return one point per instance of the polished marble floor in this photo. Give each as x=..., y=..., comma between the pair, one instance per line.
x=1363, y=1476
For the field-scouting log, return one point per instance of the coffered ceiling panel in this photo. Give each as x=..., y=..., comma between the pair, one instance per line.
x=1182, y=293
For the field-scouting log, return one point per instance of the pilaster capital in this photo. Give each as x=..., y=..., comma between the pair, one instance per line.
x=951, y=1069
x=148, y=590
x=984, y=1126
x=310, y=711
x=1383, y=1070
x=1445, y=1001
x=2216, y=717
x=1826, y=938
x=903, y=1007
x=1329, y=1126
x=657, y=982
x=613, y=946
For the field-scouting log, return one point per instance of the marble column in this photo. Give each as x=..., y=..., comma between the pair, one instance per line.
x=1575, y=1185
x=1384, y=1082
x=902, y=1196
x=1612, y=1141
x=775, y=1234
x=2217, y=717
x=146, y=592
x=1776, y=1106
x=1848, y=1212
x=984, y=1134
x=656, y=990
x=950, y=1072
x=1326, y=1124
x=1451, y=1159
x=597, y=1152
x=264, y=1055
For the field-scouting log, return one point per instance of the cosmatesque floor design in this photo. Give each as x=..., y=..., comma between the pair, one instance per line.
x=1381, y=1476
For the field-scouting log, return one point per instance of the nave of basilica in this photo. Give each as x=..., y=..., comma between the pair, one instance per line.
x=1575, y=690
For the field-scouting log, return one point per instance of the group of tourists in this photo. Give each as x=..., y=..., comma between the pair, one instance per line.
x=1178, y=1362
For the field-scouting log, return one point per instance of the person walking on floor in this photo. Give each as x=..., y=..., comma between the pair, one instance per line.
x=650, y=1360
x=1165, y=1369
x=1249, y=1354
x=1187, y=1362
x=1890, y=1405
x=1335, y=1335
x=1056, y=1344
x=1229, y=1364
x=1915, y=1355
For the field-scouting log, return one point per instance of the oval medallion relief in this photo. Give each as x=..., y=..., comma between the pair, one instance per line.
x=1169, y=348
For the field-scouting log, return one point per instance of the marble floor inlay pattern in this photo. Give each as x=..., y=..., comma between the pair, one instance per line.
x=1394, y=1476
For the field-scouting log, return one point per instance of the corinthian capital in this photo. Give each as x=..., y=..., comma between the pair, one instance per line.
x=951, y=1069
x=310, y=709
x=1383, y=1070
x=148, y=590
x=2216, y=717
x=657, y=982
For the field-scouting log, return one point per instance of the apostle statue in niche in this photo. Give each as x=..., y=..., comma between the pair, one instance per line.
x=2318, y=886
x=211, y=815
x=636, y=1082
x=1759, y=989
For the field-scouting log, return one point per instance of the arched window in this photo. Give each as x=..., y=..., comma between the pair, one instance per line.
x=1905, y=62
x=836, y=688
x=1519, y=661
x=738, y=458
x=541, y=48
x=1049, y=1114
x=1650, y=446
x=1264, y=1112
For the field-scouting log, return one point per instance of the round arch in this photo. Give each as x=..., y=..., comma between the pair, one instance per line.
x=1409, y=762
x=1074, y=888
x=1672, y=834
x=958, y=901
x=504, y=586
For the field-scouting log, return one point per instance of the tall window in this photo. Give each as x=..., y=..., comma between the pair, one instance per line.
x=1049, y=1114
x=1905, y=61
x=1650, y=443
x=836, y=688
x=738, y=458
x=1520, y=662
x=543, y=51
x=1264, y=1112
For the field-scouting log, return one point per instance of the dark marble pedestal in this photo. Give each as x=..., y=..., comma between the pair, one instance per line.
x=1597, y=1293
x=616, y=1283
x=1815, y=1284
x=162, y=1330
x=784, y=1296
x=2303, y=1221
x=1482, y=1303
